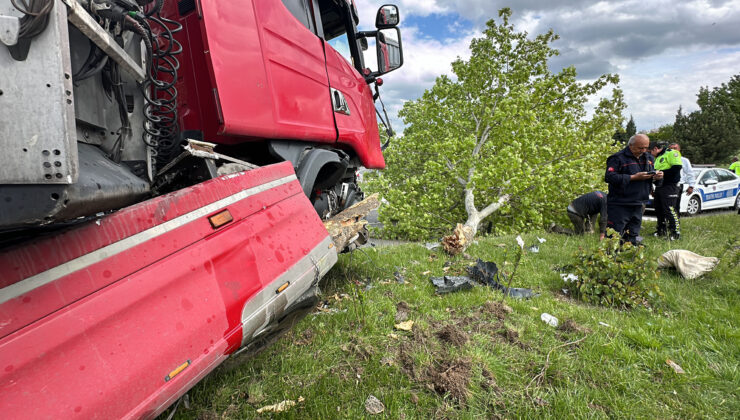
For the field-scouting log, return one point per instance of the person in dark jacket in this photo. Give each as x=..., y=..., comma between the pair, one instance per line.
x=667, y=192
x=630, y=174
x=584, y=210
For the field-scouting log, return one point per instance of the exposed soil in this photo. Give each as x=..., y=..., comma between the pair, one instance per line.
x=451, y=377
x=362, y=352
x=571, y=326
x=406, y=361
x=489, y=382
x=452, y=335
x=499, y=309
x=402, y=311
x=512, y=337
x=305, y=338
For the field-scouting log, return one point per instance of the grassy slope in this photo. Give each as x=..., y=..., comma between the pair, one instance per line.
x=335, y=360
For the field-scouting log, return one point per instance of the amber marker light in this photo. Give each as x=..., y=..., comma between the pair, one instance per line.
x=283, y=287
x=177, y=371
x=220, y=219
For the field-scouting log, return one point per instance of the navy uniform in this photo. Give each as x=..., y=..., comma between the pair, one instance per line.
x=666, y=194
x=626, y=198
x=584, y=210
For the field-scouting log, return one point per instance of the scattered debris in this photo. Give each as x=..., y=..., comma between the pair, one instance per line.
x=448, y=284
x=604, y=324
x=426, y=273
x=568, y=277
x=534, y=249
x=549, y=319
x=402, y=311
x=373, y=405
x=431, y=245
x=687, y=263
x=541, y=240
x=488, y=274
x=452, y=335
x=520, y=241
x=279, y=407
x=404, y=326
x=676, y=368
x=400, y=278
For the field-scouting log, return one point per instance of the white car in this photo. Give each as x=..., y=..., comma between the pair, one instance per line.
x=715, y=188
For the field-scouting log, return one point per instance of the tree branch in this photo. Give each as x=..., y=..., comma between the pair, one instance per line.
x=538, y=167
x=457, y=177
x=494, y=206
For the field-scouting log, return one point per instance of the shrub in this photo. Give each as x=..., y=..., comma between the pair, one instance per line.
x=614, y=275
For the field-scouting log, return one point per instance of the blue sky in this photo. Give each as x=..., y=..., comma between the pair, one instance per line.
x=664, y=51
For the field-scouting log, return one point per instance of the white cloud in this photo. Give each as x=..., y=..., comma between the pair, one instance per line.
x=662, y=49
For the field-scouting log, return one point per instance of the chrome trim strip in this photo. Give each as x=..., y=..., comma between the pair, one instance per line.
x=84, y=261
x=266, y=305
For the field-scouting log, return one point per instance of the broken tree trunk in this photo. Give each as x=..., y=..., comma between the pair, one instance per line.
x=351, y=222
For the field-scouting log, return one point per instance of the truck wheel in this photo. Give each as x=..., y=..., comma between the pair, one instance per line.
x=694, y=206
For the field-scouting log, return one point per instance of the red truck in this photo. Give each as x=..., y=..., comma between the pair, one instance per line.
x=167, y=166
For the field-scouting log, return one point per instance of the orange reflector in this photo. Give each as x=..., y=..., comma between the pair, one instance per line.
x=220, y=219
x=177, y=371
x=283, y=287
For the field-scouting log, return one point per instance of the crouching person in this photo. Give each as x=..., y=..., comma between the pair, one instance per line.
x=584, y=210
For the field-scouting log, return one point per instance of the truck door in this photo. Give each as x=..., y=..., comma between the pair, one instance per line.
x=352, y=101
x=268, y=68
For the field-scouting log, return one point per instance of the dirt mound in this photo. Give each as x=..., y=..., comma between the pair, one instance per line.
x=571, y=326
x=451, y=377
x=498, y=309
x=452, y=335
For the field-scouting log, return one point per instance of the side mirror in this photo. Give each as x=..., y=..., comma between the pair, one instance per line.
x=710, y=181
x=363, y=44
x=389, y=50
x=387, y=17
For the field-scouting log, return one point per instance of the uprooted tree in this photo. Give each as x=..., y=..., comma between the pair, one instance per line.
x=504, y=139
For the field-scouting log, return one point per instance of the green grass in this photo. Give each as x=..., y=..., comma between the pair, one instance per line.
x=336, y=360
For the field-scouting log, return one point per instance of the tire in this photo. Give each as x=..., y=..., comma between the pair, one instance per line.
x=737, y=203
x=694, y=206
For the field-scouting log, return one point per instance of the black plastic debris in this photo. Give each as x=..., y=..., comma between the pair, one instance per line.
x=487, y=273
x=449, y=284
x=400, y=278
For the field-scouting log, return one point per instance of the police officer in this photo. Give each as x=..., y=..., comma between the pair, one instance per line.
x=667, y=192
x=630, y=174
x=687, y=178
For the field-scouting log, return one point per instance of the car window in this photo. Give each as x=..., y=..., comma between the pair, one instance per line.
x=725, y=175
x=710, y=174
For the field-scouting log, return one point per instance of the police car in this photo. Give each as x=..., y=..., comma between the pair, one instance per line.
x=715, y=188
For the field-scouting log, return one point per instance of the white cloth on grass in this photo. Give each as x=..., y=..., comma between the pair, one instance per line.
x=688, y=264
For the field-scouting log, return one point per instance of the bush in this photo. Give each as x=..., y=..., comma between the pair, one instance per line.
x=614, y=275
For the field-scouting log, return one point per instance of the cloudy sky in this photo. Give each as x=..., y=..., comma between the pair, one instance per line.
x=662, y=50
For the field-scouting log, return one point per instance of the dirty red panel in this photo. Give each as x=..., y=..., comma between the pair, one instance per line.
x=107, y=354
